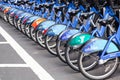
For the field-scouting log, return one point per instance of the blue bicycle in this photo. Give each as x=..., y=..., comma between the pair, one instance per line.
x=101, y=54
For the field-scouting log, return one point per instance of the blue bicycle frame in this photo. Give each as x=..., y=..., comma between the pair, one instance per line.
x=48, y=23
x=58, y=28
x=99, y=33
x=109, y=46
x=65, y=35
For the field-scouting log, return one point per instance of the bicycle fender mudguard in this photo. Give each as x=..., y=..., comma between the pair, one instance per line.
x=55, y=30
x=65, y=35
x=44, y=25
x=1, y=5
x=22, y=15
x=6, y=10
x=12, y=13
x=18, y=13
x=79, y=39
x=37, y=22
x=11, y=10
x=28, y=15
x=4, y=7
x=25, y=18
x=98, y=44
x=31, y=19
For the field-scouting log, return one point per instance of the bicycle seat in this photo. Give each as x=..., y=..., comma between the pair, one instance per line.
x=116, y=7
x=26, y=2
x=87, y=15
x=37, y=7
x=105, y=22
x=18, y=4
x=41, y=5
x=31, y=3
x=18, y=1
x=15, y=3
x=22, y=2
x=48, y=4
x=73, y=11
x=12, y=2
x=60, y=7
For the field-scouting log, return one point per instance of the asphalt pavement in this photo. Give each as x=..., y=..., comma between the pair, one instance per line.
x=23, y=59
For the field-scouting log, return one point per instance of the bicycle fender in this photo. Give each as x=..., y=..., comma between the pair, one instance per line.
x=24, y=20
x=37, y=22
x=31, y=19
x=22, y=15
x=6, y=10
x=79, y=39
x=12, y=13
x=98, y=44
x=67, y=34
x=56, y=30
x=11, y=10
x=44, y=25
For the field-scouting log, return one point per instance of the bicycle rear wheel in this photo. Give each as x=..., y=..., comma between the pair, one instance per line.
x=40, y=38
x=33, y=33
x=98, y=71
x=50, y=44
x=23, y=27
x=10, y=19
x=60, y=48
x=5, y=17
x=19, y=24
x=71, y=56
x=27, y=30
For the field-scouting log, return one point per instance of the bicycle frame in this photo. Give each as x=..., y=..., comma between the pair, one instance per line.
x=65, y=35
x=109, y=47
x=56, y=29
x=36, y=23
x=78, y=39
x=44, y=27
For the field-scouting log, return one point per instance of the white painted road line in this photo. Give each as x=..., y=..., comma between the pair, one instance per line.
x=14, y=65
x=4, y=43
x=37, y=69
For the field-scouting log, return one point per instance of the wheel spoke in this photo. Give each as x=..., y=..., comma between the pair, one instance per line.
x=92, y=69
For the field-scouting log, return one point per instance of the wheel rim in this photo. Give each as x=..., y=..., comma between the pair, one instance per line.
x=61, y=50
x=96, y=69
x=40, y=38
x=19, y=25
x=23, y=28
x=27, y=30
x=71, y=56
x=32, y=32
x=15, y=24
x=10, y=20
x=51, y=44
x=5, y=17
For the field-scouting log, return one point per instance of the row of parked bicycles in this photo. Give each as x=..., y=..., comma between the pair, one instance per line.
x=85, y=34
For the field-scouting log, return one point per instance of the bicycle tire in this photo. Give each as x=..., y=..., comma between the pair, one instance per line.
x=93, y=77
